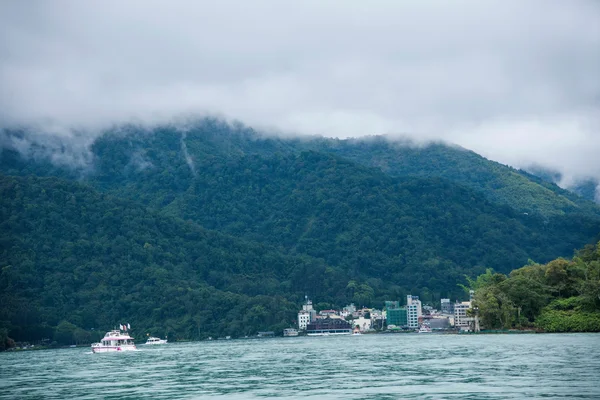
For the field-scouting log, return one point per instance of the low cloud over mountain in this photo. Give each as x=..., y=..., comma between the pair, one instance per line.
x=515, y=81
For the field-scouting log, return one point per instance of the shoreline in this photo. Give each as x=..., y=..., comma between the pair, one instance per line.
x=482, y=332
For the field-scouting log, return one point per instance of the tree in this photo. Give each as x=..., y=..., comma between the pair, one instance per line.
x=64, y=333
x=560, y=296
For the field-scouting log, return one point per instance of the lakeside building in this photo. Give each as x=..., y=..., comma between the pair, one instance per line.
x=461, y=319
x=438, y=322
x=395, y=315
x=348, y=310
x=377, y=318
x=408, y=316
x=307, y=315
x=447, y=306
x=329, y=326
x=413, y=311
x=364, y=324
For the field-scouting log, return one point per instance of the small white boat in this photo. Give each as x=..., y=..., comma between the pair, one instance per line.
x=289, y=332
x=155, y=340
x=114, y=340
x=424, y=329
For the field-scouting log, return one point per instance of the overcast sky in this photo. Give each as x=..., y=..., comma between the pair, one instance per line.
x=516, y=81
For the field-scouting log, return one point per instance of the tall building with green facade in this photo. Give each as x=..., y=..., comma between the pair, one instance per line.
x=395, y=315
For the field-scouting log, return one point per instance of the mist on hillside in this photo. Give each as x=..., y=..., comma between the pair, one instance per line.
x=484, y=76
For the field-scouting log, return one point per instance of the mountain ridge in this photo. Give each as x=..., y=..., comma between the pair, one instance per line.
x=346, y=228
x=212, y=137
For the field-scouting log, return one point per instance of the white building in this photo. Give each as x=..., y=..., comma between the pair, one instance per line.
x=364, y=324
x=413, y=311
x=306, y=315
x=461, y=320
x=349, y=310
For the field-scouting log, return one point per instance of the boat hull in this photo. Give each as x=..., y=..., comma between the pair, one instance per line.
x=113, y=349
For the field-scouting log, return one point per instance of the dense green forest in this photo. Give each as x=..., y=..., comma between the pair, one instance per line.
x=73, y=256
x=560, y=296
x=217, y=230
x=123, y=155
x=499, y=183
x=587, y=187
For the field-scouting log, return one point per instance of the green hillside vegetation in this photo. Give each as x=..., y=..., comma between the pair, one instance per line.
x=269, y=190
x=73, y=259
x=122, y=153
x=228, y=240
x=499, y=183
x=419, y=232
x=560, y=296
x=585, y=187
x=588, y=189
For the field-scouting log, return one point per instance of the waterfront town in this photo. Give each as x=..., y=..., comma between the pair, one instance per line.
x=451, y=316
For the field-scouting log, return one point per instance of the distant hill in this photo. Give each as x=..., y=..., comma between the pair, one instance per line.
x=587, y=188
x=499, y=183
x=71, y=254
x=260, y=221
x=122, y=152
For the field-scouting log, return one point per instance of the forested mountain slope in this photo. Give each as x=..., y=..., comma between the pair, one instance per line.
x=420, y=231
x=68, y=253
x=499, y=183
x=586, y=187
x=271, y=190
x=216, y=230
x=119, y=155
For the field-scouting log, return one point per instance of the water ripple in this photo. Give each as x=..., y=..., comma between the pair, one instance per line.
x=364, y=367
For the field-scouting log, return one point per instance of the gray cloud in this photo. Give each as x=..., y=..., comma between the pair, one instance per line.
x=516, y=81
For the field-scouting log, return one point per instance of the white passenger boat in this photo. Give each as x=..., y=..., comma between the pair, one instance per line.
x=424, y=329
x=155, y=340
x=288, y=332
x=114, y=340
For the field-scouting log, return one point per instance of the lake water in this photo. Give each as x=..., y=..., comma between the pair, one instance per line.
x=427, y=366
